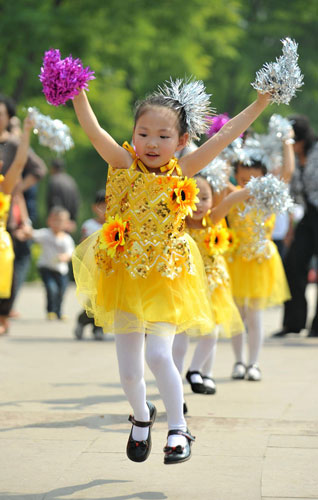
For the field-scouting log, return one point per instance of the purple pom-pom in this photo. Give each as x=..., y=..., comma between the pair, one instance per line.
x=217, y=123
x=63, y=79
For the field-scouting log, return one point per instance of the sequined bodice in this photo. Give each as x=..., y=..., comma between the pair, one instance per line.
x=214, y=263
x=144, y=224
x=253, y=232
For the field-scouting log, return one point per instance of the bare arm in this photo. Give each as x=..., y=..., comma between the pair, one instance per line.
x=288, y=166
x=198, y=159
x=13, y=174
x=221, y=210
x=104, y=144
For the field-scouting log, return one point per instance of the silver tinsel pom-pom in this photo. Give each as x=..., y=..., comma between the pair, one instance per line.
x=279, y=127
x=282, y=78
x=217, y=174
x=52, y=133
x=269, y=196
x=192, y=96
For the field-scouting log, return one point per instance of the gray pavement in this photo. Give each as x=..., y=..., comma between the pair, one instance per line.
x=63, y=420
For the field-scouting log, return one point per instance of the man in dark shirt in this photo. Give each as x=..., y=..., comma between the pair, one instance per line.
x=63, y=191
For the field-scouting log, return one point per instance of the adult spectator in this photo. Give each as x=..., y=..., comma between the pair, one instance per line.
x=304, y=188
x=63, y=191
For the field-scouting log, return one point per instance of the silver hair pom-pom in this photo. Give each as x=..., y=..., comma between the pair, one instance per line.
x=217, y=174
x=269, y=196
x=52, y=133
x=282, y=78
x=192, y=97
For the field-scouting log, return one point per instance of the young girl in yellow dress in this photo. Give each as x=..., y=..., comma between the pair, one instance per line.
x=257, y=273
x=7, y=184
x=208, y=229
x=141, y=272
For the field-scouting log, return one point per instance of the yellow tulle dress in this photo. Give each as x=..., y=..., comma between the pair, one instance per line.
x=256, y=270
x=212, y=241
x=141, y=269
x=6, y=248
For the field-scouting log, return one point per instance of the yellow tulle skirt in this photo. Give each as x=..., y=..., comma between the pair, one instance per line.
x=6, y=264
x=122, y=304
x=259, y=284
x=225, y=312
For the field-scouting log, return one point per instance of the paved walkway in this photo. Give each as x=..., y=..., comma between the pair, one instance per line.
x=63, y=421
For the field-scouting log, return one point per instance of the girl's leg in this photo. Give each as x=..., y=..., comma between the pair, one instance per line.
x=130, y=354
x=255, y=334
x=238, y=342
x=160, y=361
x=207, y=367
x=179, y=350
x=204, y=352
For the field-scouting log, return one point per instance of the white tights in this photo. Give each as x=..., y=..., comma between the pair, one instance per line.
x=203, y=357
x=253, y=319
x=130, y=354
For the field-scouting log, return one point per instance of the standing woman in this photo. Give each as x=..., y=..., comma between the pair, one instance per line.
x=304, y=187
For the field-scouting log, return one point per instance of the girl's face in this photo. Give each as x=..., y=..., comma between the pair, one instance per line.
x=244, y=174
x=156, y=136
x=206, y=199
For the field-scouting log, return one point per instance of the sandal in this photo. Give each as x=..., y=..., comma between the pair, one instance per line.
x=138, y=451
x=197, y=387
x=178, y=454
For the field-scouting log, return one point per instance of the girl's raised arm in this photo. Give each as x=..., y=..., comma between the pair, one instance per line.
x=104, y=144
x=221, y=210
x=198, y=159
x=13, y=174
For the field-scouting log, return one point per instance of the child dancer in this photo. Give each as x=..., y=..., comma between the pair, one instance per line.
x=208, y=229
x=257, y=275
x=89, y=227
x=7, y=184
x=141, y=272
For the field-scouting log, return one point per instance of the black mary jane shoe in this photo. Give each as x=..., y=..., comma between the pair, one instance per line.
x=138, y=451
x=196, y=387
x=178, y=454
x=209, y=389
x=185, y=408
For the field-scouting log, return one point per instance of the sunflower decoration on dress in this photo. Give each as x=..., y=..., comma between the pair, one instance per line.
x=216, y=240
x=184, y=196
x=113, y=235
x=233, y=240
x=4, y=203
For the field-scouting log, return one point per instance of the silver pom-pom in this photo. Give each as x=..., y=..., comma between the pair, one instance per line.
x=269, y=196
x=52, y=133
x=279, y=127
x=282, y=78
x=192, y=97
x=217, y=174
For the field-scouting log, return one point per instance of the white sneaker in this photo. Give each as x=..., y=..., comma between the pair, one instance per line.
x=253, y=373
x=239, y=371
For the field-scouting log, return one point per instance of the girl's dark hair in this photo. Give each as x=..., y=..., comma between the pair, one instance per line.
x=164, y=102
x=9, y=104
x=254, y=164
x=100, y=196
x=303, y=130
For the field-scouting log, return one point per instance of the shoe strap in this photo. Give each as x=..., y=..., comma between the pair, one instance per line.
x=195, y=372
x=178, y=432
x=138, y=423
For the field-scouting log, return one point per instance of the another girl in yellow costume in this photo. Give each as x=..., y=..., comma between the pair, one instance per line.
x=257, y=274
x=7, y=184
x=208, y=229
x=141, y=272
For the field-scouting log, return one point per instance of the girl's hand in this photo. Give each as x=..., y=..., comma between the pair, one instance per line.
x=263, y=99
x=28, y=124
